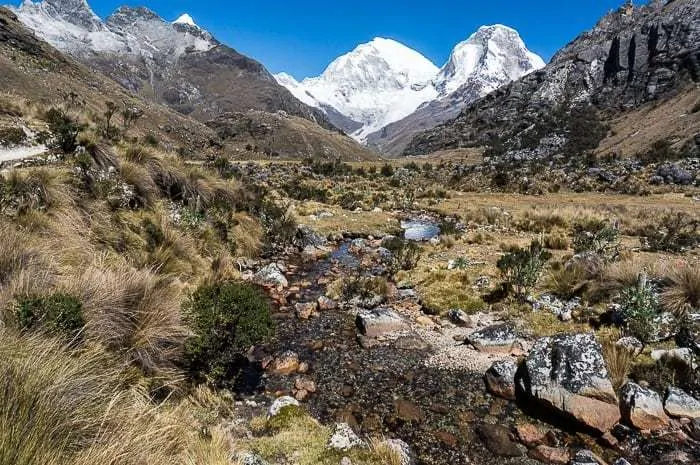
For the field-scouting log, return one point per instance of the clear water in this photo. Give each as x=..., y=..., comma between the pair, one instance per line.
x=420, y=230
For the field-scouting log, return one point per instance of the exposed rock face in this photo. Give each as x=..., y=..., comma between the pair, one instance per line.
x=568, y=374
x=679, y=404
x=642, y=407
x=180, y=65
x=629, y=58
x=500, y=379
x=497, y=339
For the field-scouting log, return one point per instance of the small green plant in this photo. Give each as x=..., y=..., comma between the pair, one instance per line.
x=639, y=307
x=599, y=238
x=521, y=268
x=60, y=314
x=387, y=170
x=404, y=254
x=226, y=319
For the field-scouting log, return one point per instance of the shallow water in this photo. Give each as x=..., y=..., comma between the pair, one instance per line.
x=419, y=230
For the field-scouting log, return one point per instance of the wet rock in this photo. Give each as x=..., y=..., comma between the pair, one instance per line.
x=344, y=438
x=285, y=363
x=679, y=404
x=307, y=237
x=325, y=304
x=279, y=404
x=632, y=344
x=530, y=435
x=496, y=339
x=304, y=311
x=642, y=408
x=553, y=455
x=500, y=379
x=271, y=275
x=568, y=374
x=406, y=456
x=497, y=439
x=586, y=457
x=407, y=411
x=460, y=318
x=313, y=253
x=379, y=322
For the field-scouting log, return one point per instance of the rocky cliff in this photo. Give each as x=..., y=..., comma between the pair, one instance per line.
x=633, y=56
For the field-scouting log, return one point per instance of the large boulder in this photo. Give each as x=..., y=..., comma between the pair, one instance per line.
x=642, y=407
x=496, y=339
x=379, y=322
x=281, y=403
x=500, y=379
x=568, y=373
x=679, y=404
x=344, y=438
x=271, y=275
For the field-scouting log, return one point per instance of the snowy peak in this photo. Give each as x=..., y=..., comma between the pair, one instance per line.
x=76, y=12
x=494, y=55
x=186, y=20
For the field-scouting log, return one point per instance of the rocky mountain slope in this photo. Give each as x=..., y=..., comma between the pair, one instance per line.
x=33, y=71
x=178, y=63
x=384, y=82
x=634, y=57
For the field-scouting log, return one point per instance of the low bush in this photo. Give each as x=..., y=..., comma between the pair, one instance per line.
x=226, y=319
x=521, y=268
x=639, y=306
x=59, y=314
x=675, y=232
x=11, y=136
x=65, y=130
x=404, y=254
x=598, y=238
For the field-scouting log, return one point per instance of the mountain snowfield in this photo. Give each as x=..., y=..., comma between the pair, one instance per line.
x=71, y=25
x=383, y=81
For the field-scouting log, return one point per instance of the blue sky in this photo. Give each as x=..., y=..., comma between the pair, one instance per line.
x=303, y=36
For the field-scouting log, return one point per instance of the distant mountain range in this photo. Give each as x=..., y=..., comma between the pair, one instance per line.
x=175, y=63
x=383, y=92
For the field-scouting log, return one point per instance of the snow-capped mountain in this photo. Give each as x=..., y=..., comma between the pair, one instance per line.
x=376, y=83
x=384, y=82
x=177, y=63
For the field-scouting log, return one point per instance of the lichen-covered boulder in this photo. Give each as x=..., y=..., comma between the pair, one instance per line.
x=568, y=373
x=496, y=339
x=680, y=404
x=500, y=379
x=344, y=438
x=642, y=407
x=271, y=275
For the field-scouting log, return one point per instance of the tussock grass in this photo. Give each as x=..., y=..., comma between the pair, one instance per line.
x=623, y=275
x=619, y=361
x=33, y=189
x=683, y=293
x=135, y=313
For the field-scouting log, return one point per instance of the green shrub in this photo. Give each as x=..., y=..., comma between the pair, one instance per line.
x=521, y=268
x=404, y=254
x=226, y=319
x=674, y=233
x=598, y=238
x=65, y=130
x=639, y=306
x=387, y=170
x=280, y=225
x=60, y=314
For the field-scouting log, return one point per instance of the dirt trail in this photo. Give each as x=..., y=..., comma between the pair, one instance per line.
x=20, y=153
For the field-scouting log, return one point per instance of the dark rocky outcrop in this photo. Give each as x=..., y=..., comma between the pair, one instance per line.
x=632, y=56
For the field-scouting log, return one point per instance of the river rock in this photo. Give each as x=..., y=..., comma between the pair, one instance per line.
x=547, y=454
x=306, y=236
x=500, y=379
x=496, y=339
x=304, y=311
x=568, y=374
x=379, y=322
x=279, y=404
x=642, y=408
x=497, y=439
x=586, y=457
x=313, y=253
x=679, y=404
x=460, y=318
x=271, y=275
x=406, y=456
x=344, y=438
x=285, y=364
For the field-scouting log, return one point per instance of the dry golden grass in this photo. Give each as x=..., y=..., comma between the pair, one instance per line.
x=619, y=361
x=683, y=294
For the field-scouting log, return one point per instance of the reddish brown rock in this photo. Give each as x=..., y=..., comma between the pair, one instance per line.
x=553, y=455
x=448, y=439
x=305, y=383
x=530, y=435
x=285, y=364
x=408, y=411
x=304, y=311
